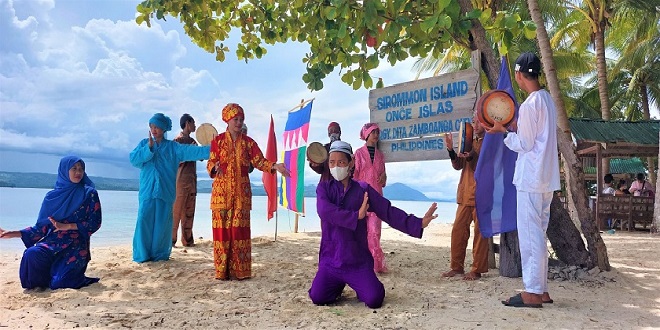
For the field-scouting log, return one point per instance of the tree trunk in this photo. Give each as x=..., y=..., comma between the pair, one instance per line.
x=564, y=237
x=601, y=67
x=479, y=41
x=574, y=174
x=650, y=163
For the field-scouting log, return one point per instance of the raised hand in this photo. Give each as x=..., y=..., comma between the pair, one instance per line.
x=151, y=140
x=362, y=213
x=449, y=141
x=429, y=215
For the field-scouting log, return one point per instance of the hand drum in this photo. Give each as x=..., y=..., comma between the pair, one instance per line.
x=465, y=136
x=317, y=153
x=495, y=105
x=205, y=134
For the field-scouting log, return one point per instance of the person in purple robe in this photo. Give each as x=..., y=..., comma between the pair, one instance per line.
x=57, y=246
x=344, y=255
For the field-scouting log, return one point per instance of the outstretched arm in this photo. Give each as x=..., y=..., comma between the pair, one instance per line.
x=397, y=218
x=9, y=233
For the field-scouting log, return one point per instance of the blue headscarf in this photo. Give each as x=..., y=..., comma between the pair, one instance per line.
x=163, y=122
x=61, y=202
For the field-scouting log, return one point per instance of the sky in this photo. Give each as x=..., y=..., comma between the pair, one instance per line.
x=80, y=76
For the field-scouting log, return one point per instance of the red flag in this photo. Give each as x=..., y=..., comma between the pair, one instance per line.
x=270, y=180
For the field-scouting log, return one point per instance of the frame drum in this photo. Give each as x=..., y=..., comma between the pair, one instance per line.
x=465, y=136
x=495, y=105
x=205, y=134
x=317, y=153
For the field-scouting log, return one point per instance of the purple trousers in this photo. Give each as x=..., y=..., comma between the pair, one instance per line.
x=329, y=283
x=40, y=268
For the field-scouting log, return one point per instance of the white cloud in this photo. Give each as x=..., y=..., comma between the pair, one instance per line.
x=89, y=84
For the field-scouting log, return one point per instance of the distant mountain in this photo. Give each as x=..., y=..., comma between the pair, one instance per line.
x=46, y=180
x=394, y=191
x=401, y=192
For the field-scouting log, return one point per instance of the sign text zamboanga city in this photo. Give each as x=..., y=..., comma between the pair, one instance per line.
x=414, y=116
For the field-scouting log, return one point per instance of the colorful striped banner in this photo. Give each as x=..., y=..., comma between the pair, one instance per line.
x=296, y=131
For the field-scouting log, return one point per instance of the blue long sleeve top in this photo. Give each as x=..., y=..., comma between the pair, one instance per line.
x=159, y=164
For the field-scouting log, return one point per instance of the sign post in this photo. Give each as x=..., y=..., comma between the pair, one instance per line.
x=414, y=116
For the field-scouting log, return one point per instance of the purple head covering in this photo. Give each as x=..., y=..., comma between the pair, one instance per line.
x=67, y=196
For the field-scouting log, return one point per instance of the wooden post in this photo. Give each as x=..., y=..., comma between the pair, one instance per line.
x=295, y=224
x=492, y=264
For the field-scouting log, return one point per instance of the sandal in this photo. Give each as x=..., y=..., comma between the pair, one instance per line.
x=517, y=301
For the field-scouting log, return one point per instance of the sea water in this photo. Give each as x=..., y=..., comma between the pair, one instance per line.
x=19, y=208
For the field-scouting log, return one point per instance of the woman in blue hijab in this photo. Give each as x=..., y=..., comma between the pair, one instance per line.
x=57, y=245
x=158, y=160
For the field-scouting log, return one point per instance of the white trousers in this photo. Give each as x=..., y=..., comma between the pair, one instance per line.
x=533, y=216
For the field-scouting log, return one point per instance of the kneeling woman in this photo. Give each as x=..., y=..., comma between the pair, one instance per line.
x=58, y=244
x=344, y=256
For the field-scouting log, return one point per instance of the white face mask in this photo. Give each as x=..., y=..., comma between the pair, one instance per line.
x=334, y=137
x=339, y=173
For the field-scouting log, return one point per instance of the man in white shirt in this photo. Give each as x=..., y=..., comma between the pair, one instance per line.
x=534, y=137
x=607, y=187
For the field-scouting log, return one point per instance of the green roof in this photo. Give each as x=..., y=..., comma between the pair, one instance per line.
x=597, y=130
x=621, y=166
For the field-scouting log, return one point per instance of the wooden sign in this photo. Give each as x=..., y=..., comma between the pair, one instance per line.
x=414, y=116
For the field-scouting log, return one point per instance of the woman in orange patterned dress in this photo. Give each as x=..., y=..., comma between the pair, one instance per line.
x=232, y=153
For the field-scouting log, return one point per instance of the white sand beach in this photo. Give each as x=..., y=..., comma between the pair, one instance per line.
x=182, y=293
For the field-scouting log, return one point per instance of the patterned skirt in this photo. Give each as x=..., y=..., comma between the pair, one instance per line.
x=232, y=245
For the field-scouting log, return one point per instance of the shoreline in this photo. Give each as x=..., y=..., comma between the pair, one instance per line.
x=182, y=293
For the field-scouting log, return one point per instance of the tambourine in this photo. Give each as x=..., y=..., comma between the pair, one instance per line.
x=465, y=136
x=205, y=134
x=495, y=105
x=317, y=153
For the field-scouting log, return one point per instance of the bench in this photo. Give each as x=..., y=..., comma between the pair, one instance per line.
x=626, y=210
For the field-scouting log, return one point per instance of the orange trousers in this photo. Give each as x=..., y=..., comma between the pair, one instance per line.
x=183, y=212
x=460, y=234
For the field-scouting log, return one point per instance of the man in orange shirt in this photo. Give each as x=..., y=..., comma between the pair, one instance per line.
x=466, y=212
x=186, y=188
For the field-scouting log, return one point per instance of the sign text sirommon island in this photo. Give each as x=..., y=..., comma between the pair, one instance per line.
x=414, y=116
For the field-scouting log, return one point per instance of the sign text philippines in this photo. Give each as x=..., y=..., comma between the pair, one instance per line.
x=414, y=116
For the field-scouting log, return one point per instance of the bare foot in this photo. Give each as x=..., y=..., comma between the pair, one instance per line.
x=452, y=273
x=533, y=298
x=546, y=298
x=471, y=276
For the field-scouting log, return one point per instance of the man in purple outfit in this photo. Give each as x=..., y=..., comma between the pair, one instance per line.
x=344, y=256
